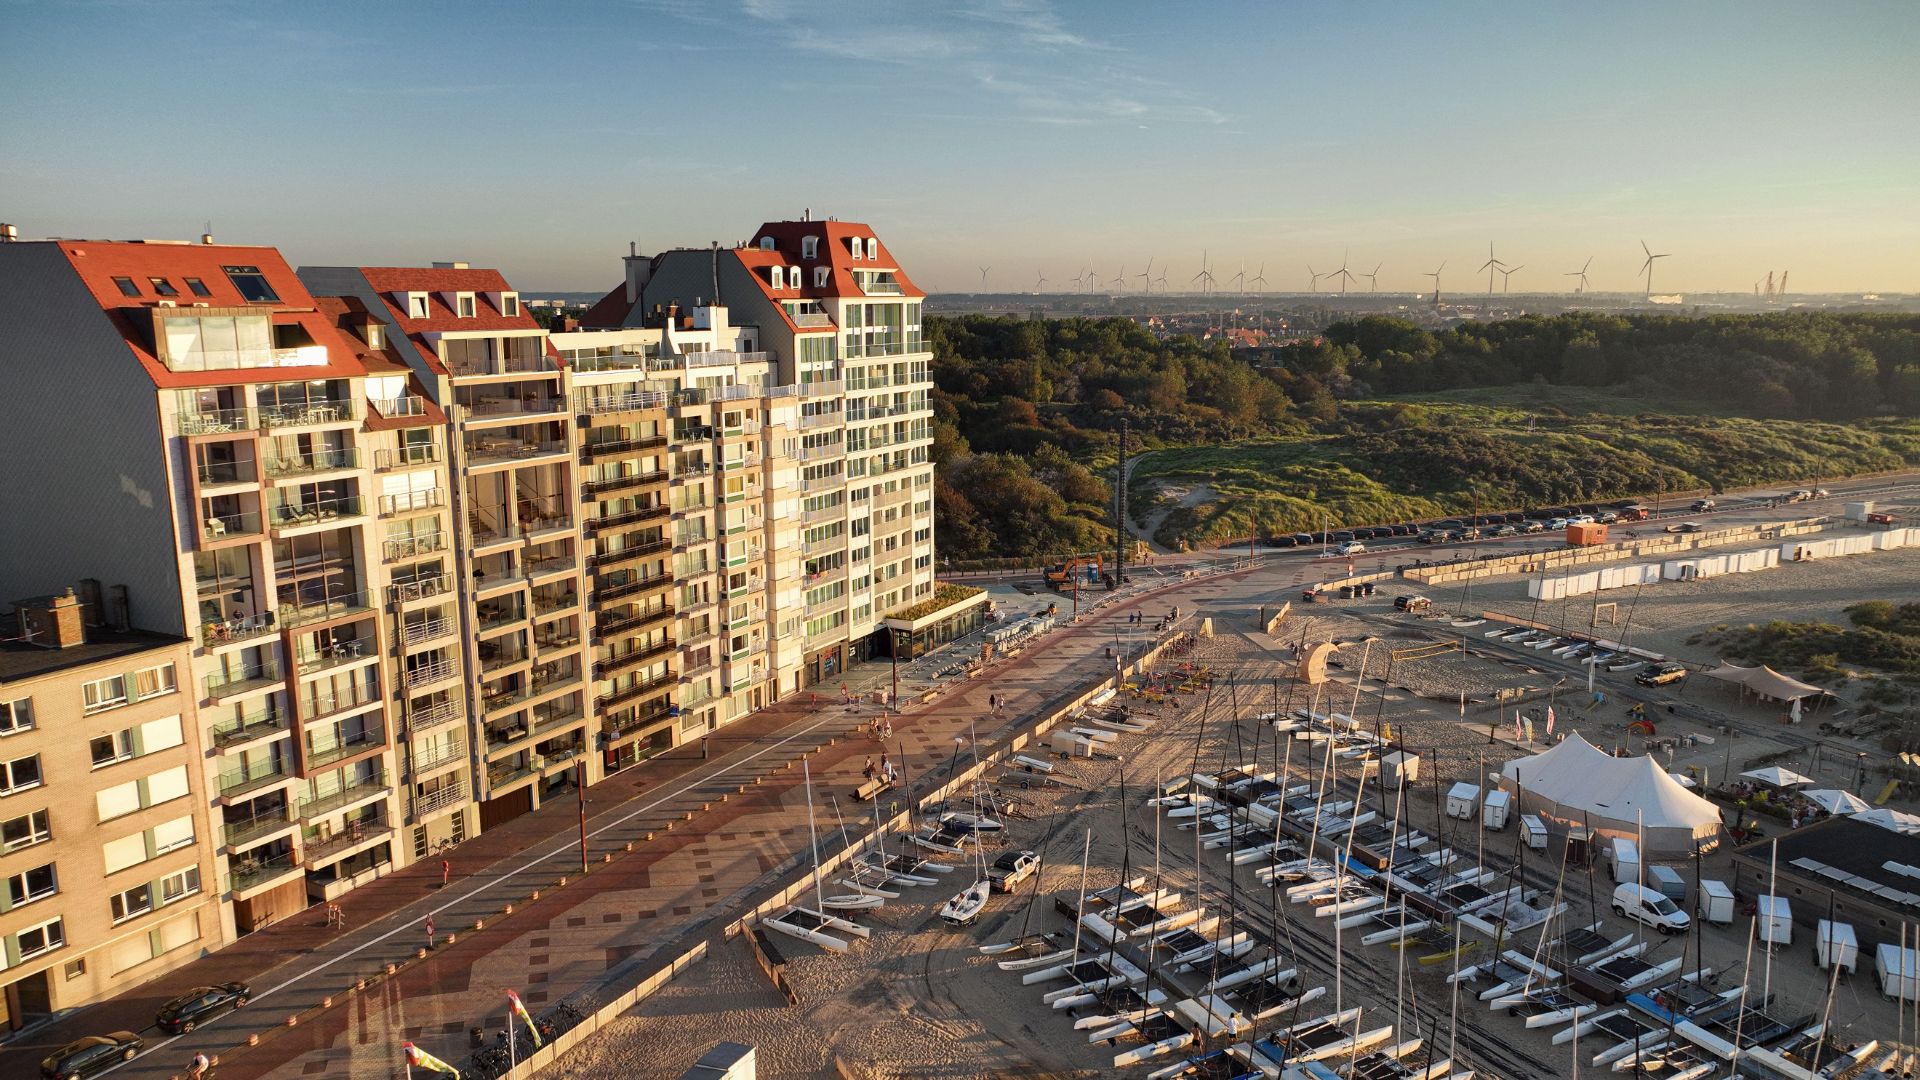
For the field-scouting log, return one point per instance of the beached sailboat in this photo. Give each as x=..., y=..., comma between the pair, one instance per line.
x=813, y=924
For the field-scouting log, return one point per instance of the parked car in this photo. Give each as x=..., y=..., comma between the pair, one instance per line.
x=1822, y=493
x=1012, y=868
x=1556, y=524
x=1607, y=517
x=1343, y=536
x=1685, y=527
x=1504, y=530
x=1405, y=530
x=1642, y=904
x=1303, y=539
x=199, y=1005
x=1533, y=527
x=1708, y=504
x=1352, y=547
x=1661, y=674
x=1580, y=519
x=1282, y=542
x=91, y=1055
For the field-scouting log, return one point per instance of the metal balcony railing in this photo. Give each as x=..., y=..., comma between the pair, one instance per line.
x=435, y=757
x=439, y=799
x=412, y=547
x=409, y=502
x=402, y=592
x=432, y=716
x=406, y=457
x=240, y=680
x=627, y=517
x=627, y=554
x=251, y=778
x=419, y=633
x=213, y=421
x=597, y=404
x=404, y=405
x=437, y=671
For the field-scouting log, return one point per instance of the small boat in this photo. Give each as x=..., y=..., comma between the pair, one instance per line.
x=965, y=906
x=1464, y=623
x=904, y=869
x=957, y=821
x=810, y=925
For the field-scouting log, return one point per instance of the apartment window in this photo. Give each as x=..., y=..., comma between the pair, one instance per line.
x=466, y=305
x=820, y=275
x=162, y=287
x=43, y=938
x=127, y=287
x=132, y=903
x=172, y=835
x=510, y=305
x=158, y=679
x=873, y=248
x=198, y=287
x=809, y=247
x=766, y=243
x=30, y=885
x=854, y=243
x=416, y=305
x=16, y=716
x=178, y=886
x=76, y=968
x=20, y=774
x=110, y=749
x=251, y=283
x=102, y=694
x=24, y=831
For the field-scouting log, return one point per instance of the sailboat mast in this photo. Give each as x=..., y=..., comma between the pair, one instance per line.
x=1773, y=868
x=1080, y=911
x=813, y=837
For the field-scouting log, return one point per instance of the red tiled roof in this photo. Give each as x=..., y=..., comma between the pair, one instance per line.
x=387, y=280
x=98, y=262
x=835, y=251
x=609, y=311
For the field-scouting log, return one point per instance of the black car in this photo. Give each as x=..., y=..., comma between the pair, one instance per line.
x=199, y=1005
x=1515, y=517
x=93, y=1054
x=1302, y=539
x=1402, y=530
x=1282, y=542
x=1342, y=536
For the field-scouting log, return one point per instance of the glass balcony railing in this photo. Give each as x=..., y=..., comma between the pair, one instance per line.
x=251, y=778
x=316, y=512
x=308, y=414
x=232, y=631
x=250, y=873
x=225, y=526
x=412, y=502
x=254, y=725
x=404, y=405
x=358, y=742
x=303, y=611
x=237, y=832
x=239, y=680
x=315, y=804
x=276, y=467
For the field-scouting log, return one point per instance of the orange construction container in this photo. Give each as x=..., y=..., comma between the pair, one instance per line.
x=1586, y=535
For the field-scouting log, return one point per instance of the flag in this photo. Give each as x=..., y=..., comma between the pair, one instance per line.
x=1529, y=729
x=419, y=1058
x=520, y=1010
x=1516, y=727
x=1549, y=721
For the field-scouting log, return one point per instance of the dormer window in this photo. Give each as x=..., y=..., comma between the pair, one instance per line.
x=809, y=247
x=376, y=337
x=854, y=242
x=510, y=305
x=466, y=305
x=416, y=305
x=873, y=248
x=777, y=275
x=820, y=274
x=766, y=243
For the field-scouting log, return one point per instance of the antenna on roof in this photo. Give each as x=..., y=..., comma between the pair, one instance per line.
x=716, y=273
x=806, y=214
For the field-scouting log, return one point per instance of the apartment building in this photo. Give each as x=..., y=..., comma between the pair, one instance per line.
x=517, y=583
x=109, y=878
x=836, y=419
x=191, y=417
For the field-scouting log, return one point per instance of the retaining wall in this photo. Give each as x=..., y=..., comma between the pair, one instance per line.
x=1665, y=545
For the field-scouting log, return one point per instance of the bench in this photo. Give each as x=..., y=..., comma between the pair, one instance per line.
x=870, y=790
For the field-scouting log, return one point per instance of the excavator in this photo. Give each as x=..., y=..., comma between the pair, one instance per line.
x=1060, y=576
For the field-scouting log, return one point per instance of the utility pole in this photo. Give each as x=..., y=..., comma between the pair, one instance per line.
x=1120, y=512
x=580, y=784
x=893, y=705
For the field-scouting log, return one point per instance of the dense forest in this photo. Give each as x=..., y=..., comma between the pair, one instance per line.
x=1028, y=415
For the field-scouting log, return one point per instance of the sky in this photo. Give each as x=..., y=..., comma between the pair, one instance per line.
x=1033, y=137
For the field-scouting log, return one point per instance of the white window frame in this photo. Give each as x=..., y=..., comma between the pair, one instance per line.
x=7, y=785
x=189, y=885
x=120, y=910
x=809, y=247
x=821, y=276
x=122, y=748
x=417, y=305
x=464, y=305
x=53, y=890
x=16, y=716
x=873, y=249
x=96, y=694
x=59, y=931
x=166, y=681
x=40, y=835
x=510, y=305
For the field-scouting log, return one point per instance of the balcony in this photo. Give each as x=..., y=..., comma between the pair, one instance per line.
x=632, y=722
x=321, y=805
x=412, y=547
x=555, y=719
x=432, y=716
x=213, y=421
x=824, y=388
x=233, y=631
x=428, y=674
x=413, y=634
x=435, y=801
x=626, y=517
x=497, y=451
x=235, y=682
x=548, y=605
x=249, y=874
x=289, y=516
x=623, y=483
x=492, y=407
x=605, y=593
x=302, y=612
x=497, y=660
x=338, y=654
x=437, y=757
x=237, y=782
x=412, y=502
x=320, y=461
x=225, y=473
x=606, y=627
x=613, y=665
x=628, y=554
x=395, y=407
x=592, y=404
x=244, y=729
x=229, y=526
x=346, y=839
x=406, y=457
x=612, y=358
x=407, y=592
x=641, y=689
x=308, y=414
x=357, y=743
x=504, y=773
x=552, y=564
x=620, y=447
x=246, y=830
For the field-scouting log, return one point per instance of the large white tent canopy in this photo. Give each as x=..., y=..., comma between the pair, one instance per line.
x=1578, y=784
x=1766, y=682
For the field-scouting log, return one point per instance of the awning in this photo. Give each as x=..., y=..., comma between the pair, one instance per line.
x=1765, y=682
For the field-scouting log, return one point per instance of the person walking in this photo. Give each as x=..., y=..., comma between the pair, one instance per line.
x=446, y=872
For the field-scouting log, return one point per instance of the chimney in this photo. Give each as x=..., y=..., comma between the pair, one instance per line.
x=451, y=266
x=53, y=622
x=8, y=233
x=639, y=270
x=807, y=214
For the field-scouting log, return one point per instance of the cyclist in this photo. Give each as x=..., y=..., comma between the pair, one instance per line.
x=199, y=1068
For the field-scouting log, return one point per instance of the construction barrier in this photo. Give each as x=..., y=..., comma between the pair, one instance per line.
x=1660, y=545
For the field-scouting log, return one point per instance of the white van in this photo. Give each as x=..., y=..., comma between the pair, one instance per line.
x=1650, y=907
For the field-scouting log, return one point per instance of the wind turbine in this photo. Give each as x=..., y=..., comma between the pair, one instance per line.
x=1119, y=280
x=1506, y=275
x=1162, y=279
x=1342, y=274
x=1037, y=285
x=1205, y=276
x=1260, y=278
x=983, y=278
x=1435, y=275
x=1146, y=279
x=1079, y=280
x=1093, y=281
x=1581, y=274
x=1490, y=266
x=1646, y=268
x=1240, y=280
x=1373, y=279
x=1313, y=279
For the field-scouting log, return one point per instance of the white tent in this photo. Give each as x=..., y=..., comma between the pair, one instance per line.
x=1775, y=776
x=1575, y=783
x=1836, y=801
x=1891, y=819
x=1766, y=682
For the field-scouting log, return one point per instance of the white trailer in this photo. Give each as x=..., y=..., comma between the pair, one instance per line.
x=1534, y=830
x=1623, y=861
x=1493, y=813
x=1899, y=972
x=1775, y=918
x=1462, y=799
x=1835, y=946
x=1716, y=902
